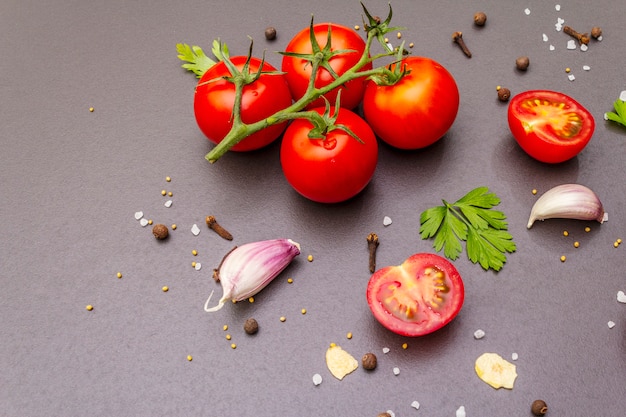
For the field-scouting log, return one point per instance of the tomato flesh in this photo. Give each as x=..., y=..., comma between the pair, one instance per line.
x=421, y=295
x=549, y=126
x=215, y=98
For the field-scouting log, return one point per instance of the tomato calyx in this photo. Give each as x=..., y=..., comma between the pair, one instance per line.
x=326, y=122
x=377, y=28
x=394, y=72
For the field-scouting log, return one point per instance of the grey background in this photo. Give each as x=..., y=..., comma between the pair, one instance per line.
x=72, y=180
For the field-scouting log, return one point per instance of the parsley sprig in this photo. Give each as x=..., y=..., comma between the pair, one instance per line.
x=619, y=116
x=473, y=220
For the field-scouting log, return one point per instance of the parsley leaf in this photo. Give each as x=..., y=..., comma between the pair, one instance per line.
x=473, y=220
x=620, y=112
x=196, y=60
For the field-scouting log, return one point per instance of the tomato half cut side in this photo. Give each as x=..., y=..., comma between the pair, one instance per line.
x=418, y=297
x=550, y=126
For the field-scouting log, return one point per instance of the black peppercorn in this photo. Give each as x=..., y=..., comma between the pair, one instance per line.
x=522, y=63
x=504, y=94
x=270, y=33
x=251, y=326
x=480, y=19
x=369, y=361
x=539, y=408
x=160, y=231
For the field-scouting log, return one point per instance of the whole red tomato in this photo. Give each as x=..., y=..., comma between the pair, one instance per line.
x=215, y=97
x=299, y=70
x=550, y=126
x=332, y=169
x=416, y=111
x=421, y=295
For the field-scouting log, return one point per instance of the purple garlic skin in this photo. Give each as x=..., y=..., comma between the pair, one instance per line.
x=249, y=268
x=568, y=201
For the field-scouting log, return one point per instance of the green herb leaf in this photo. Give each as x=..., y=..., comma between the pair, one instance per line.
x=195, y=59
x=471, y=219
x=620, y=112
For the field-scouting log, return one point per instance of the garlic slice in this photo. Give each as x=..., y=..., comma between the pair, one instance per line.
x=568, y=201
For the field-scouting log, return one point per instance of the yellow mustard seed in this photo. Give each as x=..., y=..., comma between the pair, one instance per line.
x=357, y=27
x=91, y=109
x=169, y=193
x=189, y=358
x=89, y=307
x=576, y=244
x=165, y=288
x=228, y=337
x=411, y=45
x=225, y=327
x=498, y=87
x=405, y=346
x=534, y=191
x=194, y=252
x=303, y=311
x=174, y=226
x=193, y=264
x=565, y=233
x=251, y=299
x=399, y=35
x=282, y=318
x=234, y=346
x=587, y=229
x=310, y=258
x=168, y=179
x=615, y=244
x=568, y=70
x=333, y=344
x=563, y=258
x=386, y=40
x=163, y=192
x=290, y=280
x=119, y=275
x=349, y=335
x=150, y=221
x=619, y=241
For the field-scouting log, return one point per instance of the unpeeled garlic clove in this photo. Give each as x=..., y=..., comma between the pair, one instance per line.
x=247, y=269
x=568, y=201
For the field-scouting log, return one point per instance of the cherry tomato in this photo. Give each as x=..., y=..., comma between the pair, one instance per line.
x=416, y=111
x=421, y=295
x=550, y=126
x=299, y=70
x=333, y=169
x=215, y=97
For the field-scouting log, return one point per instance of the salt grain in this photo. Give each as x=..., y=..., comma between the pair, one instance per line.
x=396, y=371
x=460, y=412
x=584, y=47
x=571, y=77
x=611, y=324
x=198, y=266
x=586, y=67
x=391, y=413
x=317, y=379
x=168, y=203
x=545, y=37
x=527, y=11
x=416, y=405
x=514, y=356
x=571, y=44
x=144, y=222
x=552, y=47
x=387, y=221
x=385, y=350
x=621, y=297
x=479, y=334
x=557, y=7
x=195, y=230
x=138, y=215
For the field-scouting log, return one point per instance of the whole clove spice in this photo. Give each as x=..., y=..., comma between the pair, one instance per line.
x=457, y=37
x=217, y=228
x=583, y=38
x=372, y=245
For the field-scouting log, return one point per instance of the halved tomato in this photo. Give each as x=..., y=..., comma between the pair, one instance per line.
x=421, y=295
x=550, y=126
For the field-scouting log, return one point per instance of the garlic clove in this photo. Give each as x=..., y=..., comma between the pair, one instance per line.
x=568, y=201
x=247, y=269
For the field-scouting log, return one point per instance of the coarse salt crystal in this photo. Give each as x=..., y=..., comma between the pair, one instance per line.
x=584, y=47
x=571, y=77
x=387, y=221
x=396, y=371
x=557, y=7
x=195, y=230
x=586, y=67
x=479, y=334
x=621, y=297
x=527, y=11
x=611, y=324
x=168, y=203
x=552, y=47
x=317, y=379
x=416, y=405
x=622, y=95
x=545, y=37
x=385, y=350
x=138, y=215
x=571, y=44
x=514, y=356
x=198, y=266
x=599, y=39
x=460, y=412
x=143, y=222
x=391, y=413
